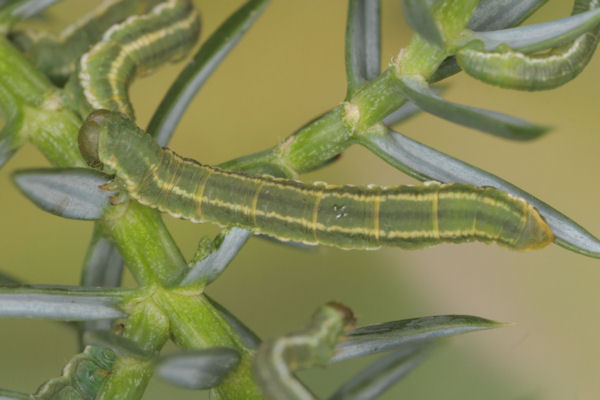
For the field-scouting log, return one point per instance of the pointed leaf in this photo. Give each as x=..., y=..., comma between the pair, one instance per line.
x=408, y=109
x=120, y=345
x=66, y=192
x=538, y=37
x=9, y=281
x=198, y=369
x=447, y=68
x=103, y=265
x=390, y=335
x=200, y=68
x=17, y=10
x=497, y=124
x=419, y=15
x=22, y=9
x=363, y=42
x=249, y=337
x=209, y=268
x=371, y=382
x=425, y=163
x=499, y=14
x=61, y=303
x=10, y=395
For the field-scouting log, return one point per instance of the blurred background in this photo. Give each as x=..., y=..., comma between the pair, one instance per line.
x=289, y=69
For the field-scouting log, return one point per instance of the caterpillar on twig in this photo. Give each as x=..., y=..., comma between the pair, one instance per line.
x=342, y=216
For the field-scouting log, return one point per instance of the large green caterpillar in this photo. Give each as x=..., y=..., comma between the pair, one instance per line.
x=57, y=56
x=133, y=47
x=276, y=359
x=342, y=216
x=512, y=69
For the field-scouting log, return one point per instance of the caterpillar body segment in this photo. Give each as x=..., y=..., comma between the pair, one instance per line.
x=352, y=217
x=82, y=378
x=57, y=56
x=581, y=6
x=514, y=70
x=276, y=359
x=134, y=47
x=507, y=68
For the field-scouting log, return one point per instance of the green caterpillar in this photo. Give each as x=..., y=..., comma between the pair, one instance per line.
x=313, y=346
x=57, y=56
x=342, y=216
x=512, y=69
x=82, y=377
x=134, y=47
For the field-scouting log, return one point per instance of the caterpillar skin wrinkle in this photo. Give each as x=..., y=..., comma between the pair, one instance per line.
x=350, y=217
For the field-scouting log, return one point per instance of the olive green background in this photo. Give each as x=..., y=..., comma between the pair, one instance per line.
x=286, y=71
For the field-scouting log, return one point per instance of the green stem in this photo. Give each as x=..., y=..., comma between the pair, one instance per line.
x=196, y=324
x=148, y=327
x=377, y=99
x=327, y=136
x=25, y=91
x=317, y=142
x=308, y=148
x=20, y=77
x=55, y=131
x=144, y=243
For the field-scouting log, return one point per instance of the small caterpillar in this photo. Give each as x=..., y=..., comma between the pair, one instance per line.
x=276, y=359
x=57, y=56
x=342, y=216
x=512, y=69
x=81, y=378
x=133, y=47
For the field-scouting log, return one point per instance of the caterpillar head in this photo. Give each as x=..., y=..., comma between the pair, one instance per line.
x=89, y=138
x=89, y=135
x=96, y=134
x=113, y=143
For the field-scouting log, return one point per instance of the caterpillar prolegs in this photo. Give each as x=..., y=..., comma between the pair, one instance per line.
x=342, y=216
x=507, y=68
x=133, y=47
